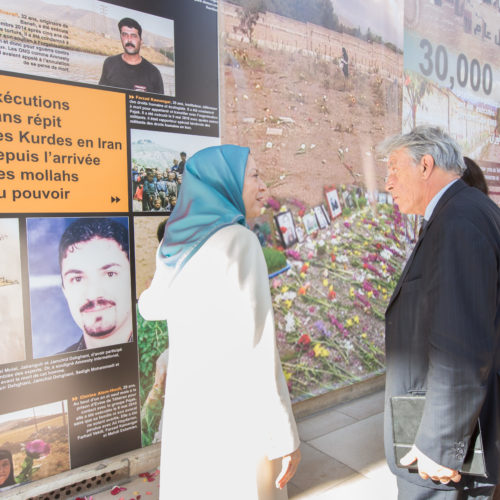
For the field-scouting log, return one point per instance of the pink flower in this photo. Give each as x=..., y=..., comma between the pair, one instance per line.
x=363, y=300
x=293, y=254
x=274, y=204
x=298, y=204
x=37, y=448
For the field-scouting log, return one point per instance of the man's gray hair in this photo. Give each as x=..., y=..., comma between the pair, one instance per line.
x=426, y=139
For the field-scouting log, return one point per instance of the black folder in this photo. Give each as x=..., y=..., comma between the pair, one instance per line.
x=407, y=413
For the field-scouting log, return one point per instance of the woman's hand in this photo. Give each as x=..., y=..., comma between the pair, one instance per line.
x=288, y=468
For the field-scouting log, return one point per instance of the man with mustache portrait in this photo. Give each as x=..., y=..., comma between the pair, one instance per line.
x=130, y=70
x=95, y=273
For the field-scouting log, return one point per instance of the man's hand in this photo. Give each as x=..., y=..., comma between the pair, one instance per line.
x=288, y=468
x=427, y=468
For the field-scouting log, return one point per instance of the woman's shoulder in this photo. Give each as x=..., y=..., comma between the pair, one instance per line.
x=235, y=235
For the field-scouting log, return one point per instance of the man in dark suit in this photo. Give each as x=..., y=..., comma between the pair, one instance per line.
x=443, y=320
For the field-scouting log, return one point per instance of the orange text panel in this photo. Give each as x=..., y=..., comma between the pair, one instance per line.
x=62, y=148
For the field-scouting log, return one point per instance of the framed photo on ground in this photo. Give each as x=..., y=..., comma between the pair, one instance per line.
x=333, y=202
x=310, y=222
x=320, y=217
x=286, y=228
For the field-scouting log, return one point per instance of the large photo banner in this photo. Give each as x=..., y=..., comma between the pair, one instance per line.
x=101, y=105
x=452, y=76
x=311, y=92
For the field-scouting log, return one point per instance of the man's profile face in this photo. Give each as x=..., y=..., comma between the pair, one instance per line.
x=131, y=41
x=96, y=284
x=404, y=182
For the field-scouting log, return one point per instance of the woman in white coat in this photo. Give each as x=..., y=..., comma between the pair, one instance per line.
x=228, y=429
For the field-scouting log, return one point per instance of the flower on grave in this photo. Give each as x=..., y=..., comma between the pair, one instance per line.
x=363, y=300
x=312, y=309
x=347, y=225
x=274, y=204
x=290, y=323
x=321, y=327
x=305, y=267
x=293, y=254
x=338, y=324
x=276, y=283
x=304, y=340
x=284, y=289
x=287, y=375
x=283, y=229
x=320, y=351
x=303, y=289
x=325, y=282
x=331, y=293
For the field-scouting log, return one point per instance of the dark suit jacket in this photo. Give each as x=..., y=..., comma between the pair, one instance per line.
x=443, y=333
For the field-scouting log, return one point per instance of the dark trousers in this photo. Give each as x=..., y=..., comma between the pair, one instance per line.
x=410, y=491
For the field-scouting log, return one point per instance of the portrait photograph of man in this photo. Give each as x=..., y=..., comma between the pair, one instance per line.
x=80, y=283
x=130, y=70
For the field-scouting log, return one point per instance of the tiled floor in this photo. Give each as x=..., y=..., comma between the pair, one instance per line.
x=342, y=458
x=343, y=454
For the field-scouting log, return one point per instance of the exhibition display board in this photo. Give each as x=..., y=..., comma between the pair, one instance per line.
x=82, y=127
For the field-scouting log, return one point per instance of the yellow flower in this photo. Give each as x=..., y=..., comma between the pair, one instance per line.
x=284, y=289
x=287, y=375
x=320, y=351
x=384, y=291
x=363, y=335
x=356, y=319
x=288, y=304
x=302, y=275
x=325, y=282
x=370, y=294
x=349, y=323
x=351, y=292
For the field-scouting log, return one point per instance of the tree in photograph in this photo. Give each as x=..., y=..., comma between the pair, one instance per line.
x=249, y=13
x=415, y=88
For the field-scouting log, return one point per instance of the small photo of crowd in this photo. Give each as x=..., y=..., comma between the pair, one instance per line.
x=157, y=190
x=158, y=163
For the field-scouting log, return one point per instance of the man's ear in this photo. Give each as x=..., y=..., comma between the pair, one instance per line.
x=426, y=166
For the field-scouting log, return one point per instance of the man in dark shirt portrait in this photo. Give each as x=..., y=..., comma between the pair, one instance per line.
x=130, y=70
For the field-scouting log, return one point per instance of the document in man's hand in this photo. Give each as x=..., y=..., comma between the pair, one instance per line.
x=407, y=413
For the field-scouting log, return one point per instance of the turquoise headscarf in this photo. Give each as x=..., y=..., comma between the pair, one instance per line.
x=211, y=197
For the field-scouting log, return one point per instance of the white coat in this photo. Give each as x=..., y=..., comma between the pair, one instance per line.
x=227, y=416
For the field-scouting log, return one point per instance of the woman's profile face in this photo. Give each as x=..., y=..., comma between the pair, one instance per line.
x=253, y=189
x=4, y=470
